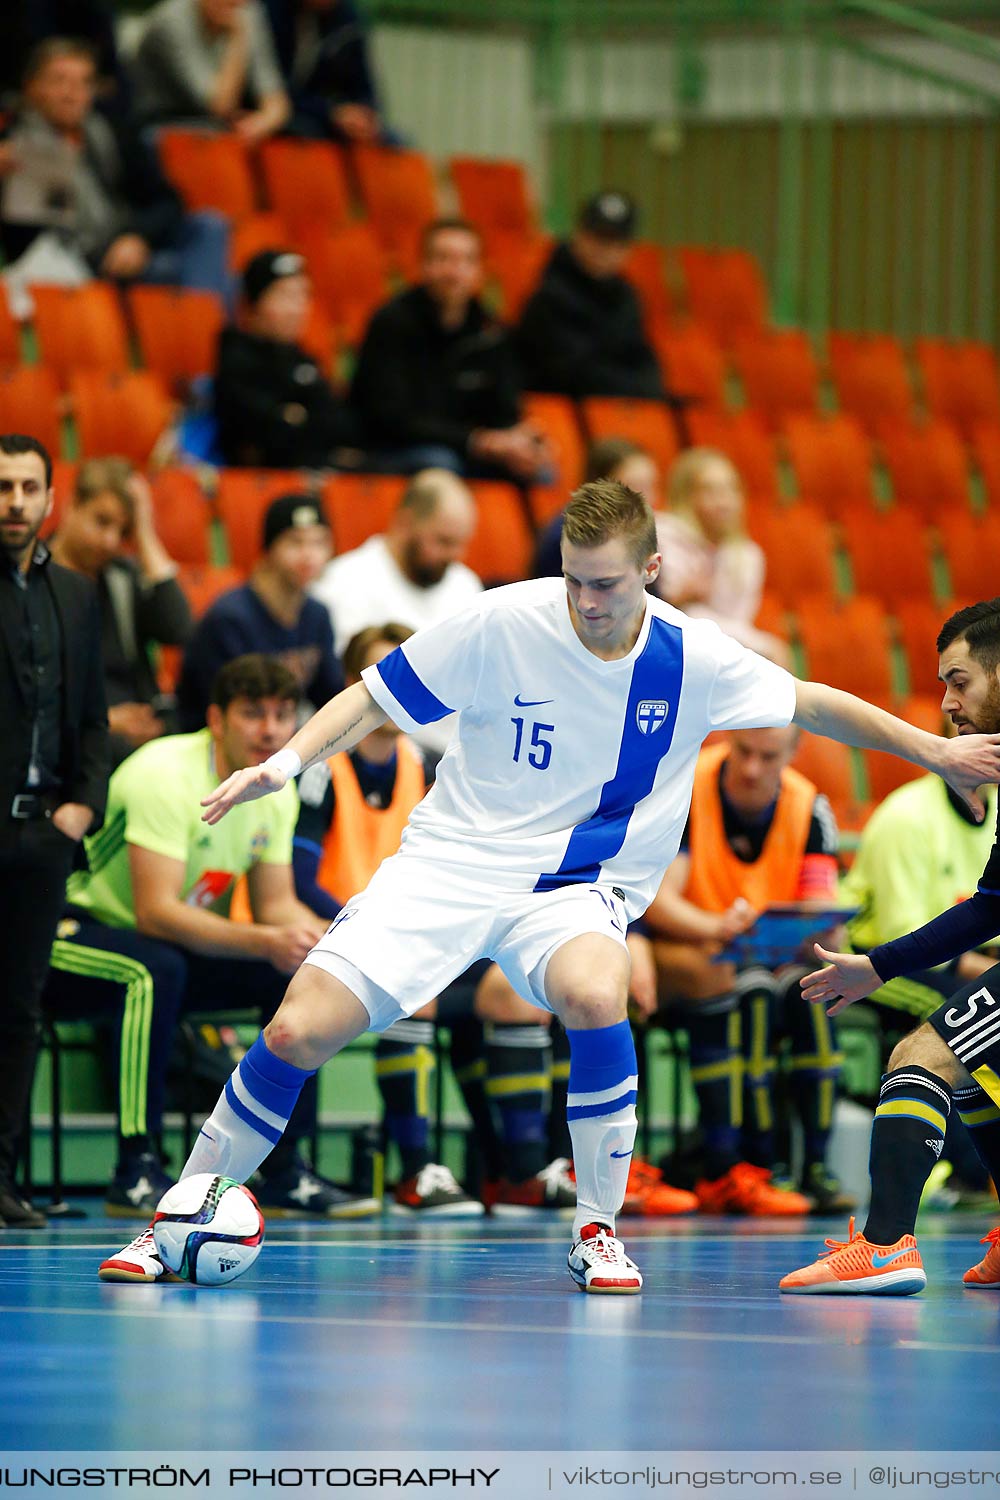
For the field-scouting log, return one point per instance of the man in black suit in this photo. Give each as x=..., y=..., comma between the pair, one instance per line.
x=53, y=771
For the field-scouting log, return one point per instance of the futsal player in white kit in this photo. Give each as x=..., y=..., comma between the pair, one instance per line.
x=582, y=705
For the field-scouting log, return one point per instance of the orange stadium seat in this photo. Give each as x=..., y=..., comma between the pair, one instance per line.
x=183, y=516
x=517, y=269
x=890, y=556
x=918, y=622
x=10, y=335
x=971, y=546
x=496, y=197
x=64, y=472
x=726, y=291
x=646, y=270
x=557, y=417
x=502, y=544
x=178, y=331
x=832, y=459
x=122, y=414
x=360, y=505
x=830, y=766
x=202, y=586
x=647, y=423
x=986, y=456
x=350, y=275
x=744, y=440
x=257, y=232
x=872, y=381
x=798, y=543
x=80, y=327
x=928, y=468
x=30, y=402
x=960, y=381
x=306, y=183
x=243, y=497
x=848, y=646
x=208, y=170
x=692, y=364
x=400, y=194
x=779, y=374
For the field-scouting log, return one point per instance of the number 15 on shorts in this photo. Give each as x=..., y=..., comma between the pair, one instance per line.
x=539, y=749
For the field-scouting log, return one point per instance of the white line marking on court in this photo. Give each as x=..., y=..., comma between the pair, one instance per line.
x=430, y=1326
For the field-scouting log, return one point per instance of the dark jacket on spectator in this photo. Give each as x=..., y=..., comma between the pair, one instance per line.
x=417, y=382
x=336, y=72
x=135, y=618
x=140, y=199
x=256, y=380
x=583, y=336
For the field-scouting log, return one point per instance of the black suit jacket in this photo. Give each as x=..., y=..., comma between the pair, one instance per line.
x=84, y=754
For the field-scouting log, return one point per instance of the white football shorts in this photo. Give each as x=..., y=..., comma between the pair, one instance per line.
x=420, y=923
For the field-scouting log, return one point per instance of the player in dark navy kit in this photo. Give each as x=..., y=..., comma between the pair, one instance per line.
x=954, y=1057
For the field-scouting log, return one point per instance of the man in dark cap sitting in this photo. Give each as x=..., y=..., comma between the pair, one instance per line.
x=272, y=613
x=581, y=331
x=274, y=405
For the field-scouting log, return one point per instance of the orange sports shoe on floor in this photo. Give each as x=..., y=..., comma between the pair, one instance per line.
x=862, y=1269
x=746, y=1189
x=648, y=1195
x=987, y=1273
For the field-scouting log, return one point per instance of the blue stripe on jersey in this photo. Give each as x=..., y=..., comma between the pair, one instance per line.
x=407, y=689
x=656, y=679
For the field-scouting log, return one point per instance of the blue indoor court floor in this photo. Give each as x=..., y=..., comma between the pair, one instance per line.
x=388, y=1336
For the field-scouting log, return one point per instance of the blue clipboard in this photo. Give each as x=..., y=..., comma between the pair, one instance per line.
x=780, y=931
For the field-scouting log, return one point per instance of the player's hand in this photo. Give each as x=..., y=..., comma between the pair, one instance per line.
x=968, y=762
x=740, y=917
x=288, y=946
x=242, y=786
x=847, y=977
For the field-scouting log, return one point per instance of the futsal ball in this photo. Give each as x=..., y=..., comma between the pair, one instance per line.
x=208, y=1229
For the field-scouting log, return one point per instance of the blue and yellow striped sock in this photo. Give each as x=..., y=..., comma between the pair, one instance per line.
x=981, y=1117
x=907, y=1138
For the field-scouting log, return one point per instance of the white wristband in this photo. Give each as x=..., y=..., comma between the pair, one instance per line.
x=287, y=761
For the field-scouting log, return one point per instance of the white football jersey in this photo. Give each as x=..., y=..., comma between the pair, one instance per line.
x=565, y=768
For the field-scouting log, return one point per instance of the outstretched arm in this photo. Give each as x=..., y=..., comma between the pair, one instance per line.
x=338, y=725
x=965, y=763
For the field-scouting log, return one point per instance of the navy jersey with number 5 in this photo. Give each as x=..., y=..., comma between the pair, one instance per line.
x=565, y=768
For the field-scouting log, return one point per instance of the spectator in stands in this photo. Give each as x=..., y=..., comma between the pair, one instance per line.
x=53, y=773
x=210, y=62
x=436, y=384
x=322, y=48
x=758, y=833
x=75, y=183
x=608, y=458
x=90, y=21
x=581, y=330
x=271, y=614
x=711, y=567
x=142, y=605
x=274, y=407
x=148, y=930
x=921, y=852
x=413, y=574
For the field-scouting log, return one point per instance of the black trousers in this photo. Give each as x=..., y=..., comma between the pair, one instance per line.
x=35, y=860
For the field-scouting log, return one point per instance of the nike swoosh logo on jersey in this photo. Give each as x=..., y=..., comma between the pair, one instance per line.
x=878, y=1261
x=520, y=702
x=622, y=1153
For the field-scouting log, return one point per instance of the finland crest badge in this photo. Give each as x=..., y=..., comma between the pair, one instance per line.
x=651, y=715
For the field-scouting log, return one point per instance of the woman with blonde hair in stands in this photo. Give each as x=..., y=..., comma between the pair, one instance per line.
x=711, y=567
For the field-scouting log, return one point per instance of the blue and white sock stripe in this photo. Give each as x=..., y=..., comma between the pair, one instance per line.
x=594, y=1103
x=248, y=1113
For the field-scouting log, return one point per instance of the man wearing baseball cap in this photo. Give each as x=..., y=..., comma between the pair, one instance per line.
x=272, y=613
x=275, y=406
x=581, y=331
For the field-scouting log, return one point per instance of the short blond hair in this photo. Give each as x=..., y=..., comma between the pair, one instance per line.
x=606, y=508
x=105, y=476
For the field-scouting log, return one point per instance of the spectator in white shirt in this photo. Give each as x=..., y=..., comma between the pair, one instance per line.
x=413, y=573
